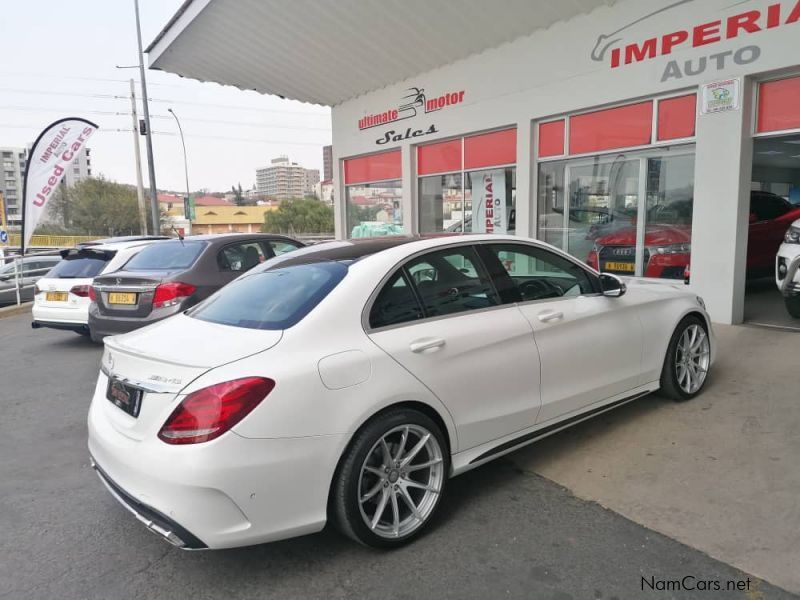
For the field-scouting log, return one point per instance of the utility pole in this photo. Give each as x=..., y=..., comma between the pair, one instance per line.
x=151, y=168
x=138, y=157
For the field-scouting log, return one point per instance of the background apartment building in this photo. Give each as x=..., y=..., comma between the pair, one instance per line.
x=327, y=163
x=13, y=162
x=283, y=179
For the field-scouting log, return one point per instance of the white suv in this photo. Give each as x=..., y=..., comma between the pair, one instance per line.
x=787, y=269
x=61, y=299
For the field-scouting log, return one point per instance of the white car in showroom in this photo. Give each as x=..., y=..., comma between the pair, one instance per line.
x=787, y=269
x=61, y=298
x=348, y=381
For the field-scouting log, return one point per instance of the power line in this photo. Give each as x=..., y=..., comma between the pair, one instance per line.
x=162, y=101
x=128, y=114
x=188, y=135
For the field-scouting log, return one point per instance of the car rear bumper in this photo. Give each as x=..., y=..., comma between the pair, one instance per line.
x=229, y=492
x=151, y=518
x=69, y=318
x=104, y=325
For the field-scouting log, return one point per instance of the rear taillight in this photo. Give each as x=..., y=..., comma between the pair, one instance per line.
x=82, y=291
x=170, y=294
x=36, y=289
x=92, y=294
x=208, y=413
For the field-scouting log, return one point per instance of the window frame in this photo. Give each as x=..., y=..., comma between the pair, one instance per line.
x=480, y=250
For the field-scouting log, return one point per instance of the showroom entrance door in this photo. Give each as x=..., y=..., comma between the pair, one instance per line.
x=774, y=206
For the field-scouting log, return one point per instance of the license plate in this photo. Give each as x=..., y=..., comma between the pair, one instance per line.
x=125, y=397
x=56, y=296
x=121, y=298
x=620, y=266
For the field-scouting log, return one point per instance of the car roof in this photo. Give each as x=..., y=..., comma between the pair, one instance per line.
x=357, y=249
x=121, y=239
x=342, y=250
x=227, y=237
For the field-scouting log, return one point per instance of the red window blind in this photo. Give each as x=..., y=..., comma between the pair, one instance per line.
x=779, y=105
x=620, y=127
x=551, y=138
x=489, y=149
x=676, y=117
x=439, y=158
x=375, y=167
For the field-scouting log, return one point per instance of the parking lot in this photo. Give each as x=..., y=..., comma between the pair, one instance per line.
x=505, y=531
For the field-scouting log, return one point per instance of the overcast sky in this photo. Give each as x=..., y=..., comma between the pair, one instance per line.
x=58, y=60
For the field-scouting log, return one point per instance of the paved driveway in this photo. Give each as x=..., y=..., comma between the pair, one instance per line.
x=503, y=532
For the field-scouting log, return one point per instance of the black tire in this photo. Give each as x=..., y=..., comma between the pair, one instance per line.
x=670, y=387
x=792, y=305
x=83, y=333
x=345, y=508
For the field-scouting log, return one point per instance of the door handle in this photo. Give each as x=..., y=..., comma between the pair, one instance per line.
x=423, y=344
x=550, y=315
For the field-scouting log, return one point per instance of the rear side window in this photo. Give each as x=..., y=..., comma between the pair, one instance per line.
x=281, y=247
x=452, y=281
x=395, y=303
x=83, y=263
x=241, y=257
x=166, y=256
x=273, y=299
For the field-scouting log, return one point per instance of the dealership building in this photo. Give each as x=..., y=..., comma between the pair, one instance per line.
x=631, y=134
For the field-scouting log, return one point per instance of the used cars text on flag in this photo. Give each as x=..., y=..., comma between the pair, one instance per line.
x=50, y=156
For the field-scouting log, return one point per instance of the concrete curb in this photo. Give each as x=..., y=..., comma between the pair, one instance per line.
x=10, y=311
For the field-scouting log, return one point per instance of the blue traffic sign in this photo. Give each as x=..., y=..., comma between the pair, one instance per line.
x=3, y=237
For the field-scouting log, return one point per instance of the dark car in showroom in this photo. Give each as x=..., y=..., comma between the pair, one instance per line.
x=167, y=278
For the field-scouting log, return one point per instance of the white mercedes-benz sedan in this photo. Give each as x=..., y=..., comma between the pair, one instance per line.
x=348, y=381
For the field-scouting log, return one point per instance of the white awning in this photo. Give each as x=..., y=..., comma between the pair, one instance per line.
x=328, y=51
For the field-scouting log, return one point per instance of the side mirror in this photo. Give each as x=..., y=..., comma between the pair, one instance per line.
x=612, y=286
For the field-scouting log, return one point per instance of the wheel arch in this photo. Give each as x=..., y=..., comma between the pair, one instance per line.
x=422, y=407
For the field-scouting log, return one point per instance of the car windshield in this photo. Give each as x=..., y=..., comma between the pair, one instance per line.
x=166, y=256
x=84, y=263
x=274, y=299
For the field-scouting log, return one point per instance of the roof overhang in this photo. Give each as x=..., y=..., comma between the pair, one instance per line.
x=326, y=52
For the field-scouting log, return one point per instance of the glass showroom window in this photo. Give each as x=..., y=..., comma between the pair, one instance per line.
x=611, y=192
x=625, y=213
x=468, y=185
x=373, y=195
x=374, y=209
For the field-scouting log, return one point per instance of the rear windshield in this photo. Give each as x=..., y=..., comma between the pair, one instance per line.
x=83, y=263
x=166, y=256
x=274, y=299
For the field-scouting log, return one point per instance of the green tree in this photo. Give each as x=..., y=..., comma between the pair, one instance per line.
x=238, y=197
x=101, y=207
x=299, y=216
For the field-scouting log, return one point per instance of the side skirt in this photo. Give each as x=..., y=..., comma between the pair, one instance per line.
x=474, y=457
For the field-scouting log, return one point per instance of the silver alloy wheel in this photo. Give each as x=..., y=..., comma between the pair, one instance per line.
x=692, y=356
x=400, y=481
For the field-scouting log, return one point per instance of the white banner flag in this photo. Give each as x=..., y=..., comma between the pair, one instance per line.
x=50, y=156
x=489, y=214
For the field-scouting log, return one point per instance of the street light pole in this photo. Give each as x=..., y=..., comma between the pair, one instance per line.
x=151, y=168
x=185, y=162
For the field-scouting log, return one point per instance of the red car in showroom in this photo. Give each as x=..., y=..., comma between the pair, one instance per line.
x=668, y=246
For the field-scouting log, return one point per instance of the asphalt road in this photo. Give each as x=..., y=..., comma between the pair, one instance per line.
x=502, y=533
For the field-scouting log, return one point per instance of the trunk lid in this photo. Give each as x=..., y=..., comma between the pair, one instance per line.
x=129, y=294
x=163, y=358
